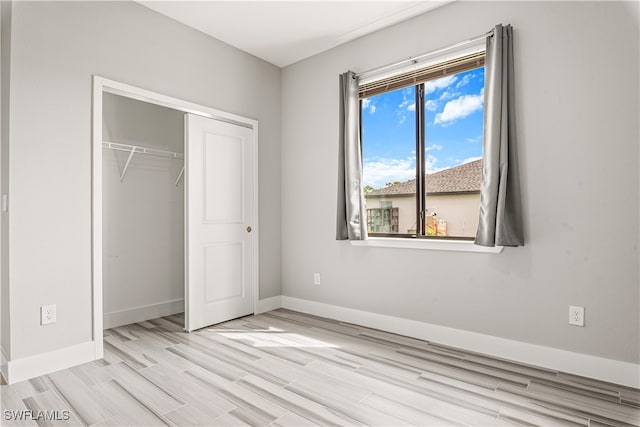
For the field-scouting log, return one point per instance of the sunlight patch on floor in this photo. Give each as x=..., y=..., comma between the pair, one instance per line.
x=220, y=331
x=277, y=339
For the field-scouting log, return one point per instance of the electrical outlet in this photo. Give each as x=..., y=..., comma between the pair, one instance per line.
x=47, y=314
x=576, y=316
x=316, y=278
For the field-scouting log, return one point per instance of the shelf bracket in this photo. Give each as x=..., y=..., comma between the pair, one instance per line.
x=126, y=165
x=179, y=175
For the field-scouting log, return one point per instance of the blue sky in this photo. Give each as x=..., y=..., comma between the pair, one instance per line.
x=453, y=108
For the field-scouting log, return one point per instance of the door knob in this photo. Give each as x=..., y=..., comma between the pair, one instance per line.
x=249, y=229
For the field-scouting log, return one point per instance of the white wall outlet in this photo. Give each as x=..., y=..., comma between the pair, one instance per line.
x=576, y=315
x=316, y=278
x=47, y=314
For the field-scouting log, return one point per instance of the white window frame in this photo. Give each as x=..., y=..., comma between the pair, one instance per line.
x=426, y=244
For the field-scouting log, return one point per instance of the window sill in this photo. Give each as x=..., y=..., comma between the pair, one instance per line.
x=430, y=244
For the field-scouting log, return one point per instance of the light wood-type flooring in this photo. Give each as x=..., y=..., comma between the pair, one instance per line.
x=284, y=368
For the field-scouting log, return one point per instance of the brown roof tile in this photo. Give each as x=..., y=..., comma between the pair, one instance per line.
x=459, y=179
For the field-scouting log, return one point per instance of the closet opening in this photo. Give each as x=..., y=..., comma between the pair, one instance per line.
x=142, y=211
x=174, y=211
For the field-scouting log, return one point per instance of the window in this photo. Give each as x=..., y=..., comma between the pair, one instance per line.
x=422, y=150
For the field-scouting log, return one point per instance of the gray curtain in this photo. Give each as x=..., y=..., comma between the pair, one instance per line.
x=500, y=201
x=351, y=218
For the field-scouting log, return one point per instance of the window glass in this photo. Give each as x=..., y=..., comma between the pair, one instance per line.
x=453, y=153
x=452, y=129
x=389, y=161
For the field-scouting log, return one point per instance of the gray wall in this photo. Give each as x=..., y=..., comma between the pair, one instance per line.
x=5, y=57
x=577, y=109
x=56, y=47
x=143, y=215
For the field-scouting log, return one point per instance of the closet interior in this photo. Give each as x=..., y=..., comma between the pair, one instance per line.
x=143, y=211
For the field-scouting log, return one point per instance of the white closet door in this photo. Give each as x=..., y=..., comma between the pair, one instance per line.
x=220, y=257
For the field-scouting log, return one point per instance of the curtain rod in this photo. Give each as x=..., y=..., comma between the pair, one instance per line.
x=416, y=59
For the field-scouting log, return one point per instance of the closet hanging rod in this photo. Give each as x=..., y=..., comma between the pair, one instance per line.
x=132, y=149
x=141, y=150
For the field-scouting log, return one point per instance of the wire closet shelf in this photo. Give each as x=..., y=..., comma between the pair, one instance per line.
x=136, y=149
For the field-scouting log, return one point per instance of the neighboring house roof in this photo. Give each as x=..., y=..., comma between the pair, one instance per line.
x=465, y=178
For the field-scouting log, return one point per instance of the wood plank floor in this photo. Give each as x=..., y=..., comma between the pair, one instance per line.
x=284, y=368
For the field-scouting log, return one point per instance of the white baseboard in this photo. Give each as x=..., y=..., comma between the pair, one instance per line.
x=269, y=304
x=128, y=316
x=52, y=361
x=610, y=370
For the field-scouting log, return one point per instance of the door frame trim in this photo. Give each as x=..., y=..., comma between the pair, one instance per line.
x=100, y=86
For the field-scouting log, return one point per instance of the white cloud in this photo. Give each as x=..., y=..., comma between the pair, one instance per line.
x=446, y=95
x=441, y=83
x=377, y=172
x=470, y=159
x=459, y=108
x=368, y=105
x=431, y=163
x=474, y=140
x=465, y=80
x=407, y=104
x=431, y=105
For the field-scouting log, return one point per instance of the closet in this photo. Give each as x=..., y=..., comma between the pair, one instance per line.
x=143, y=210
x=177, y=193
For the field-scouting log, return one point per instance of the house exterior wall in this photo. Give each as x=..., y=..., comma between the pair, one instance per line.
x=461, y=211
x=406, y=208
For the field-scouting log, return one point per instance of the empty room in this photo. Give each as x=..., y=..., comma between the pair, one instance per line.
x=313, y=213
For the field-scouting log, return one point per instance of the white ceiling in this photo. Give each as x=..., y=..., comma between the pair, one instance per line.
x=283, y=32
